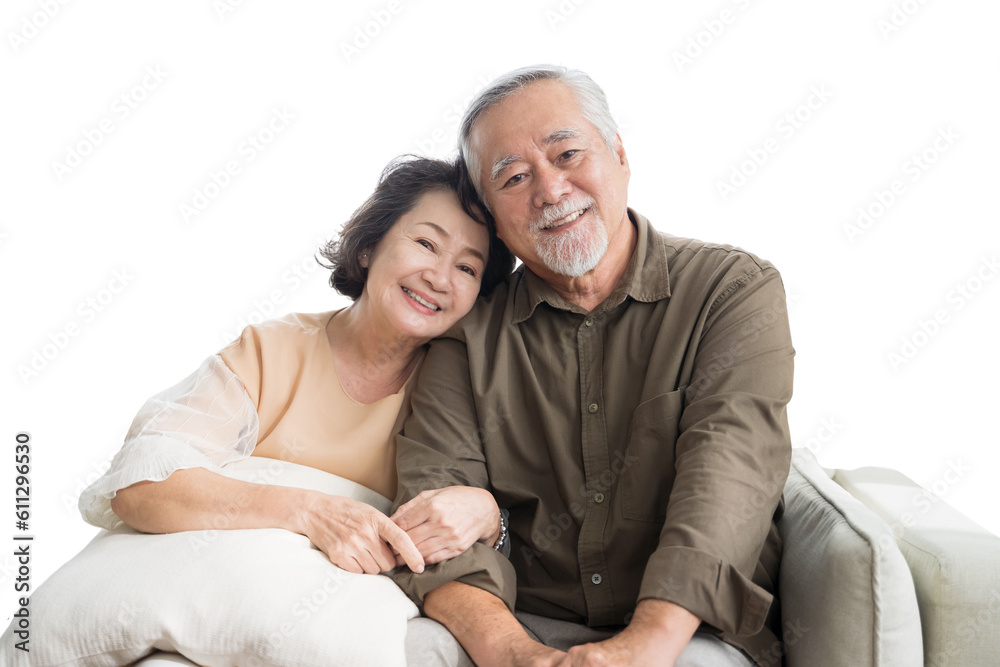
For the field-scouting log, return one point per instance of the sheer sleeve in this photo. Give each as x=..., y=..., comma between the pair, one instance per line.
x=205, y=421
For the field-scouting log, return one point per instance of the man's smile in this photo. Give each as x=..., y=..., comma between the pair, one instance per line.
x=563, y=221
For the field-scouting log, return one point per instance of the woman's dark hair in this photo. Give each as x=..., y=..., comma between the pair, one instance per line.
x=403, y=182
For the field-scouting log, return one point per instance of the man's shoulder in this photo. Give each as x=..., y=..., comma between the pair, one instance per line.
x=701, y=270
x=691, y=259
x=690, y=254
x=713, y=273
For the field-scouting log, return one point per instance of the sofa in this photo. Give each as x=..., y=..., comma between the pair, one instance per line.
x=879, y=571
x=875, y=571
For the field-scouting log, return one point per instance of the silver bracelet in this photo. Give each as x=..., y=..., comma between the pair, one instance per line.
x=503, y=534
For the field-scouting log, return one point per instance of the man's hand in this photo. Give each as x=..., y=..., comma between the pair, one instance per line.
x=523, y=651
x=657, y=635
x=445, y=522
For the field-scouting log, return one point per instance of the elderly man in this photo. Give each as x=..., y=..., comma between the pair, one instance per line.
x=622, y=396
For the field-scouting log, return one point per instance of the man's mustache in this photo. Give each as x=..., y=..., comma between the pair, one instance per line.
x=557, y=212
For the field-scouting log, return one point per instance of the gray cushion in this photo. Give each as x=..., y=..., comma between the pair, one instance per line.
x=847, y=597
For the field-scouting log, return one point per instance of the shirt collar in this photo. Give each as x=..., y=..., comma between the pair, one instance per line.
x=644, y=280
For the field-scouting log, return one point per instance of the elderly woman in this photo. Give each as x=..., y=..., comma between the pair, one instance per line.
x=324, y=390
x=288, y=431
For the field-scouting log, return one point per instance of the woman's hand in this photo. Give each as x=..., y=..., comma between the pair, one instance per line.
x=357, y=537
x=445, y=522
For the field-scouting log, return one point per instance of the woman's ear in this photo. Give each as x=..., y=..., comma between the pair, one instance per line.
x=365, y=258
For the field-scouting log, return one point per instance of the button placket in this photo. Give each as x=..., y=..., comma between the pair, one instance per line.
x=591, y=549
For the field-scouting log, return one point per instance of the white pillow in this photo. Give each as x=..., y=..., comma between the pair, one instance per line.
x=847, y=596
x=219, y=597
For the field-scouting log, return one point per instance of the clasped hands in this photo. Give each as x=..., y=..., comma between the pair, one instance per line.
x=432, y=527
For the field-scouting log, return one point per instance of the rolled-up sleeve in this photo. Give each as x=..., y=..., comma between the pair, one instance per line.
x=731, y=455
x=441, y=446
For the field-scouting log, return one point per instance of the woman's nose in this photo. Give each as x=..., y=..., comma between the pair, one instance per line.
x=437, y=274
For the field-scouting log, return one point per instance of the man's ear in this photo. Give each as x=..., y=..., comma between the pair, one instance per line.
x=620, y=150
x=622, y=158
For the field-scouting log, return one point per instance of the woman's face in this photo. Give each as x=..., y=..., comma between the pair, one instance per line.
x=424, y=274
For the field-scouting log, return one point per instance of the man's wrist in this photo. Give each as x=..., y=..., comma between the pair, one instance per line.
x=501, y=538
x=666, y=615
x=665, y=624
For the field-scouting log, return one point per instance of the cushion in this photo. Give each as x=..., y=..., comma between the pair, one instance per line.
x=847, y=597
x=219, y=597
x=955, y=565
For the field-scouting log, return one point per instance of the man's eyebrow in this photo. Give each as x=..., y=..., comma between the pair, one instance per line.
x=554, y=137
x=561, y=135
x=444, y=232
x=500, y=165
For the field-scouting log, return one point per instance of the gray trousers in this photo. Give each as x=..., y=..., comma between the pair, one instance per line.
x=429, y=644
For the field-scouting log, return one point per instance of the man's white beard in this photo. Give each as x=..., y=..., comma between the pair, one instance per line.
x=576, y=251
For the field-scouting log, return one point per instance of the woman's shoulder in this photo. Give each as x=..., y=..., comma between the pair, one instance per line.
x=304, y=323
x=285, y=331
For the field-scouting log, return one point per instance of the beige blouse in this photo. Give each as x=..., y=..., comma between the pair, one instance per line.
x=305, y=415
x=273, y=393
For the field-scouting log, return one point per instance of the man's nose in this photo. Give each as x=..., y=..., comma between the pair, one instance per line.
x=551, y=185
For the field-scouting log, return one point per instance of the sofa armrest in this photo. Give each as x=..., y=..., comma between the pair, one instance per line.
x=846, y=593
x=955, y=565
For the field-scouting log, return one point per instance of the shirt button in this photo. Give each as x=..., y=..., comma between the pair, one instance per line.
x=589, y=321
x=597, y=579
x=592, y=408
x=598, y=497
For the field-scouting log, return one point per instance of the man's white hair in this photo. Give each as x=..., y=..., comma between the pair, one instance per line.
x=589, y=96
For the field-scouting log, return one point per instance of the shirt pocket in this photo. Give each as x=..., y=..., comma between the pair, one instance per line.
x=648, y=474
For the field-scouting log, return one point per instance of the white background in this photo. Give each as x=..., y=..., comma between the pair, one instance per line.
x=185, y=287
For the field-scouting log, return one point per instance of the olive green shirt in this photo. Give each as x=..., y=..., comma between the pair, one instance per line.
x=641, y=448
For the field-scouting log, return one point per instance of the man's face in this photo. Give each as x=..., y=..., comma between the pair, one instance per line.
x=557, y=191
